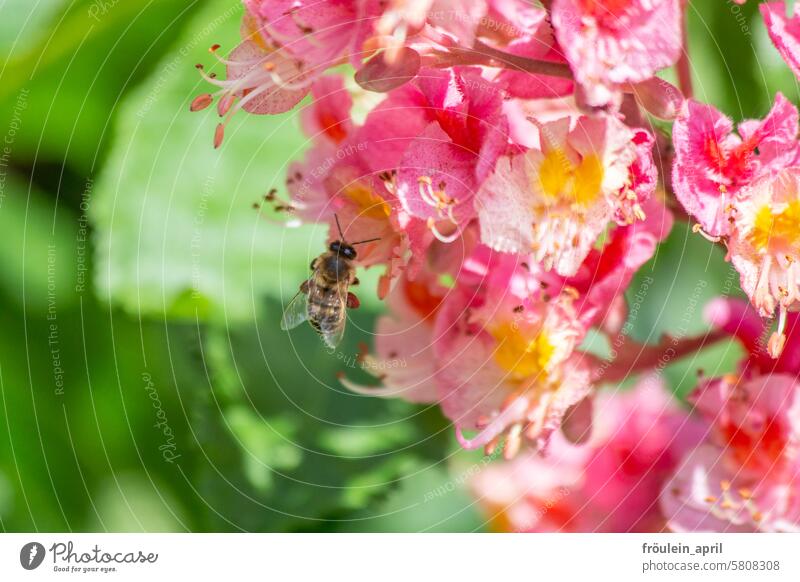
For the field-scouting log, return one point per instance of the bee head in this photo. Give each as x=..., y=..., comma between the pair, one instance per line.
x=344, y=249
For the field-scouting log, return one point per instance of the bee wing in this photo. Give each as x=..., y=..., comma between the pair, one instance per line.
x=333, y=335
x=296, y=312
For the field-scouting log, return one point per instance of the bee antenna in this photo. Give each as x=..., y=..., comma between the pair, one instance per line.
x=361, y=242
x=339, y=226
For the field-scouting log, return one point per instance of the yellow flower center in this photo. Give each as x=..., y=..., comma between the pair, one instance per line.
x=368, y=203
x=562, y=181
x=777, y=231
x=519, y=354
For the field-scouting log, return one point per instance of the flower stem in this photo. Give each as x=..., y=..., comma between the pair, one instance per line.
x=483, y=54
x=683, y=66
x=635, y=358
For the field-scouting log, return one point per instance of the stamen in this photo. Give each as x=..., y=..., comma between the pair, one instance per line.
x=778, y=339
x=489, y=449
x=698, y=229
x=201, y=102
x=219, y=134
x=495, y=428
x=513, y=442
x=426, y=190
x=379, y=391
x=763, y=298
x=730, y=508
x=442, y=237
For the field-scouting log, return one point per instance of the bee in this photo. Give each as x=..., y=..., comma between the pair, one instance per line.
x=323, y=299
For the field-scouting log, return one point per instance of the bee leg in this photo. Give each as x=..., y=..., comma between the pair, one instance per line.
x=304, y=287
x=352, y=301
x=355, y=281
x=314, y=263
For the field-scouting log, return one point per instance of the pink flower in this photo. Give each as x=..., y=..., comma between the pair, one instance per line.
x=554, y=201
x=328, y=116
x=747, y=476
x=641, y=183
x=394, y=124
x=712, y=164
x=765, y=243
x=610, y=484
x=422, y=23
x=506, y=361
x=443, y=167
x=610, y=44
x=286, y=45
x=784, y=32
x=260, y=79
x=318, y=34
x=500, y=346
x=606, y=272
x=338, y=178
x=404, y=359
x=366, y=209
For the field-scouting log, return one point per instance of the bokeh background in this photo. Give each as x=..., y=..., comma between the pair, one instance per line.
x=145, y=384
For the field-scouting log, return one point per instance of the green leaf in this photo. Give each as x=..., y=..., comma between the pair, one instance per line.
x=75, y=64
x=287, y=447
x=21, y=21
x=38, y=258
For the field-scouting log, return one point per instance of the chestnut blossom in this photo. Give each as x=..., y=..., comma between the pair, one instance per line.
x=261, y=79
x=403, y=357
x=713, y=164
x=443, y=167
x=554, y=201
x=338, y=179
x=507, y=362
x=611, y=44
x=747, y=476
x=609, y=484
x=765, y=242
x=501, y=352
x=318, y=34
x=502, y=358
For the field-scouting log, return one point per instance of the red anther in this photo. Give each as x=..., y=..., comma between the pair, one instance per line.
x=352, y=301
x=224, y=104
x=219, y=133
x=201, y=102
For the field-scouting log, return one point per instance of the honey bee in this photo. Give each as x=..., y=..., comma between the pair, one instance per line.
x=324, y=298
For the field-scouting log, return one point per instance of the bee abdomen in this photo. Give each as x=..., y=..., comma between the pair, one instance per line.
x=326, y=312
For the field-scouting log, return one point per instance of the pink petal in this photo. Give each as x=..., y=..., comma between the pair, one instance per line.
x=784, y=32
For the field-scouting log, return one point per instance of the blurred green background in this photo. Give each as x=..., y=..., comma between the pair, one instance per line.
x=144, y=382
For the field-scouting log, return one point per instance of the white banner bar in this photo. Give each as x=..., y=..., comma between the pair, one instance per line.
x=401, y=557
